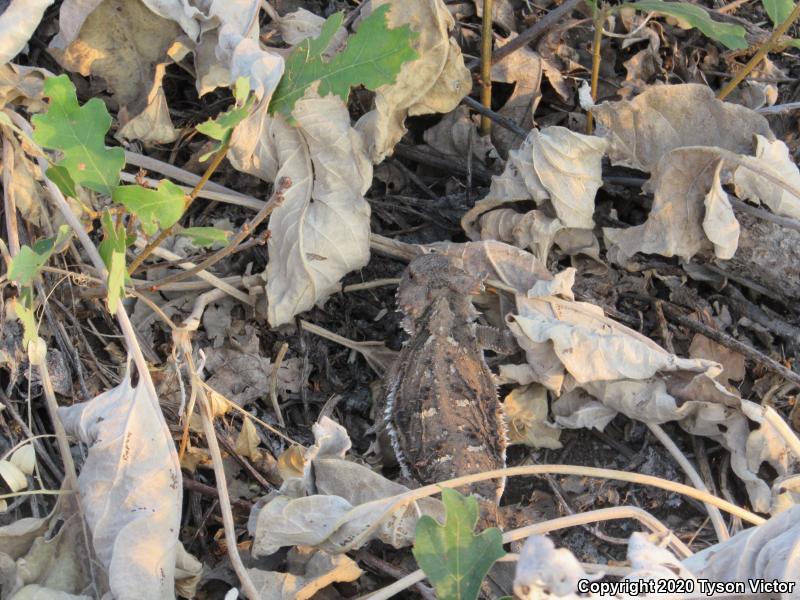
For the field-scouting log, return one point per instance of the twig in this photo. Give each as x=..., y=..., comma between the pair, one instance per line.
x=219, y=472
x=8, y=196
x=389, y=569
x=486, y=65
x=494, y=116
x=246, y=229
x=713, y=512
x=448, y=165
x=598, y=18
x=205, y=275
x=729, y=342
x=41, y=451
x=779, y=108
x=273, y=383
x=148, y=250
x=765, y=49
x=764, y=215
x=532, y=33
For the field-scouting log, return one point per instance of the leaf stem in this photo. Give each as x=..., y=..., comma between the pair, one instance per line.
x=486, y=65
x=192, y=196
x=598, y=18
x=765, y=49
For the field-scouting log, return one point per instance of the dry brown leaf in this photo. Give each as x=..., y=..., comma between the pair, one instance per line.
x=525, y=412
x=435, y=82
x=124, y=42
x=451, y=137
x=532, y=230
x=130, y=487
x=321, y=230
x=317, y=571
x=22, y=86
x=680, y=183
x=733, y=368
x=338, y=505
x=773, y=156
x=247, y=441
x=641, y=131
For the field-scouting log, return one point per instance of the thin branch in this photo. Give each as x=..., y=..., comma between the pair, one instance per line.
x=765, y=49
x=148, y=250
x=486, y=65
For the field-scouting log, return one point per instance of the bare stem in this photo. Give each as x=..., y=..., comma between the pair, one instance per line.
x=486, y=65
x=215, y=162
x=765, y=49
x=599, y=18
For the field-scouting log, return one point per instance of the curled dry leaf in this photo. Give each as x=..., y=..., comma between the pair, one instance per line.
x=525, y=412
x=18, y=21
x=553, y=164
x=337, y=505
x=650, y=560
x=773, y=156
x=544, y=571
x=130, y=487
x=320, y=232
x=451, y=137
x=314, y=572
x=532, y=230
x=435, y=82
x=124, y=43
x=641, y=131
x=769, y=551
x=22, y=86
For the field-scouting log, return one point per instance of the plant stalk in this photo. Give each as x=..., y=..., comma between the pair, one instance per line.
x=765, y=49
x=486, y=66
x=599, y=18
x=148, y=250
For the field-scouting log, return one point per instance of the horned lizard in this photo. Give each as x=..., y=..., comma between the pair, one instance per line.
x=440, y=409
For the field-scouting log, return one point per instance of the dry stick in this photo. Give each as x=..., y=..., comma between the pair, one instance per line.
x=595, y=516
x=486, y=65
x=733, y=344
x=148, y=250
x=8, y=196
x=219, y=472
x=532, y=33
x=598, y=18
x=765, y=49
x=233, y=244
x=273, y=384
x=713, y=512
x=494, y=116
x=764, y=215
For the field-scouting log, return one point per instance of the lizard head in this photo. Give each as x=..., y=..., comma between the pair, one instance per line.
x=433, y=276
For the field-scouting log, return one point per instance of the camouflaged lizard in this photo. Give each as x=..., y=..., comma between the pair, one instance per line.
x=440, y=408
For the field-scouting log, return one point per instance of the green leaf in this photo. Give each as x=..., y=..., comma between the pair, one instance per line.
x=372, y=57
x=29, y=261
x=692, y=15
x=28, y=320
x=778, y=10
x=206, y=236
x=454, y=559
x=794, y=43
x=60, y=176
x=79, y=132
x=221, y=128
x=112, y=251
x=160, y=207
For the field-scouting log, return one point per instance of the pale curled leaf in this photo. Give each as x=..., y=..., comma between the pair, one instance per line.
x=338, y=505
x=641, y=131
x=772, y=157
x=130, y=486
x=768, y=551
x=319, y=571
x=544, y=571
x=434, y=82
x=719, y=222
x=17, y=23
x=525, y=412
x=320, y=232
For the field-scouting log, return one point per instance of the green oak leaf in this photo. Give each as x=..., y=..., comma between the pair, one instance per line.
x=692, y=15
x=160, y=207
x=372, y=57
x=206, y=236
x=29, y=261
x=221, y=128
x=454, y=559
x=778, y=10
x=112, y=251
x=78, y=132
